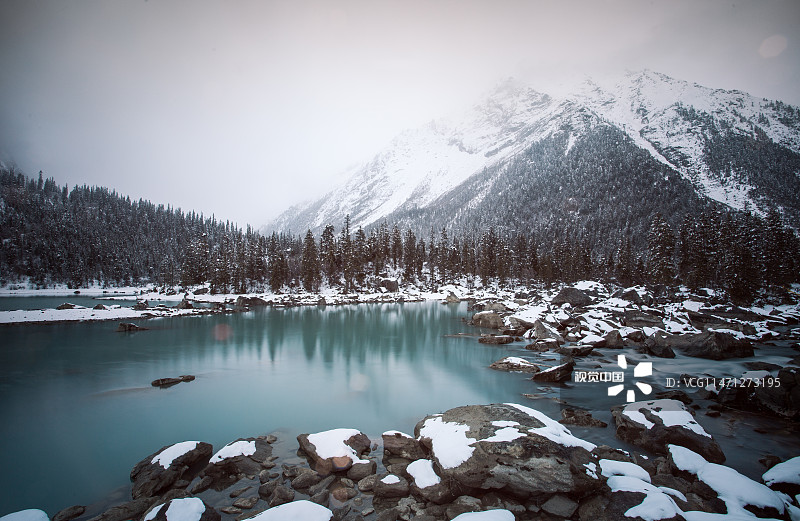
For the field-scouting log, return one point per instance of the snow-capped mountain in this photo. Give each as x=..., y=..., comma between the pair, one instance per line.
x=725, y=146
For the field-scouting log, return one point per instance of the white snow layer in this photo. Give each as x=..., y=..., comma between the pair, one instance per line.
x=331, y=444
x=423, y=474
x=735, y=489
x=623, y=468
x=672, y=412
x=656, y=504
x=553, y=430
x=170, y=454
x=236, y=448
x=489, y=515
x=31, y=514
x=786, y=472
x=186, y=509
x=302, y=510
x=391, y=479
x=449, y=441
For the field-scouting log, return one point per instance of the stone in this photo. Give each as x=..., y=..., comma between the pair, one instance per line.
x=396, y=443
x=782, y=400
x=281, y=495
x=66, y=305
x=657, y=345
x=462, y=505
x=559, y=373
x=141, y=305
x=306, y=480
x=361, y=470
x=716, y=345
x=246, y=302
x=572, y=296
x=202, y=485
x=631, y=295
x=246, y=503
x=580, y=417
x=391, y=485
x=540, y=346
x=126, y=511
x=69, y=513
x=184, y=304
x=150, y=478
x=613, y=340
x=542, y=331
x=368, y=484
x=100, y=307
x=514, y=364
x=488, y=319
x=451, y=298
x=560, y=505
x=496, y=339
x=506, y=447
x=125, y=327
x=390, y=284
x=641, y=424
x=639, y=319
x=351, y=440
x=574, y=351
x=233, y=511
x=232, y=462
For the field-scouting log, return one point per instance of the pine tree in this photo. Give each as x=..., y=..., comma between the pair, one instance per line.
x=310, y=266
x=661, y=249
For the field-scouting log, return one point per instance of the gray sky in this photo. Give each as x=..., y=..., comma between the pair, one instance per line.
x=241, y=108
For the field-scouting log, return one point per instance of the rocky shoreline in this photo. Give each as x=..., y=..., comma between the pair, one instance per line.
x=506, y=461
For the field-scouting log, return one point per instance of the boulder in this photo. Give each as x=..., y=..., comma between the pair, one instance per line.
x=390, y=284
x=613, y=340
x=572, y=296
x=540, y=346
x=629, y=294
x=399, y=444
x=559, y=373
x=451, y=298
x=511, y=363
x=542, y=331
x=579, y=417
x=391, y=485
x=246, y=302
x=69, y=513
x=66, y=305
x=240, y=458
x=495, y=306
x=780, y=400
x=425, y=483
x=716, y=345
x=159, y=471
x=335, y=450
x=165, y=382
x=639, y=319
x=184, y=509
x=141, y=305
x=125, y=511
x=184, y=304
x=100, y=307
x=125, y=327
x=655, y=424
x=496, y=339
x=657, y=344
x=507, y=447
x=200, y=291
x=574, y=351
x=488, y=319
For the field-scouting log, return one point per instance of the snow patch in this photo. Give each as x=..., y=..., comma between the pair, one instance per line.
x=553, y=430
x=234, y=449
x=170, y=454
x=421, y=471
x=302, y=510
x=31, y=514
x=449, y=441
x=786, y=472
x=186, y=509
x=672, y=412
x=331, y=444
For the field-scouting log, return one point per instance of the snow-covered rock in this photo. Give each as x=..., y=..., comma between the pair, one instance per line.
x=335, y=450
x=159, y=471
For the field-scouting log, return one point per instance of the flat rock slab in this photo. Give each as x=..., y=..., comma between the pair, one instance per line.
x=655, y=424
x=509, y=447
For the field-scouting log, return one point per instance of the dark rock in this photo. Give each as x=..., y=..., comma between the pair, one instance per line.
x=141, y=305
x=451, y=298
x=462, y=505
x=560, y=505
x=390, y=485
x=559, y=373
x=245, y=503
x=575, y=351
x=402, y=445
x=542, y=331
x=704, y=321
x=580, y=417
x=126, y=511
x=675, y=394
x=530, y=464
x=630, y=294
x=69, y=513
x=639, y=423
x=233, y=511
x=151, y=478
x=125, y=327
x=184, y=304
x=572, y=296
x=390, y=284
x=613, y=340
x=355, y=440
x=515, y=364
x=200, y=291
x=541, y=346
x=187, y=377
x=100, y=307
x=361, y=470
x=781, y=400
x=769, y=461
x=715, y=345
x=306, y=480
x=202, y=485
x=165, y=382
x=238, y=492
x=368, y=484
x=66, y=305
x=635, y=318
x=762, y=366
x=342, y=493
x=488, y=319
x=225, y=471
x=247, y=302
x=280, y=496
x=657, y=345
x=496, y=339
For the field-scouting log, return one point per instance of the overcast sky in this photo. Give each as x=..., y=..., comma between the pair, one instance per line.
x=241, y=108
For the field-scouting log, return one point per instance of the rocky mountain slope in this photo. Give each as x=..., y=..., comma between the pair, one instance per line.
x=603, y=156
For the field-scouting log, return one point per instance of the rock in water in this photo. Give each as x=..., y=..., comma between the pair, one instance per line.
x=653, y=425
x=559, y=373
x=509, y=447
x=717, y=345
x=243, y=457
x=488, y=319
x=511, y=363
x=159, y=471
x=396, y=443
x=125, y=327
x=496, y=339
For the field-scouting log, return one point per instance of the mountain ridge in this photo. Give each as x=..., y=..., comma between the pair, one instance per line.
x=697, y=132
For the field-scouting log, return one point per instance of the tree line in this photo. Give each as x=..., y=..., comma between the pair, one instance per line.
x=51, y=235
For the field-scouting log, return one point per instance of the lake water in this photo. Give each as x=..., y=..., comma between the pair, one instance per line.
x=78, y=411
